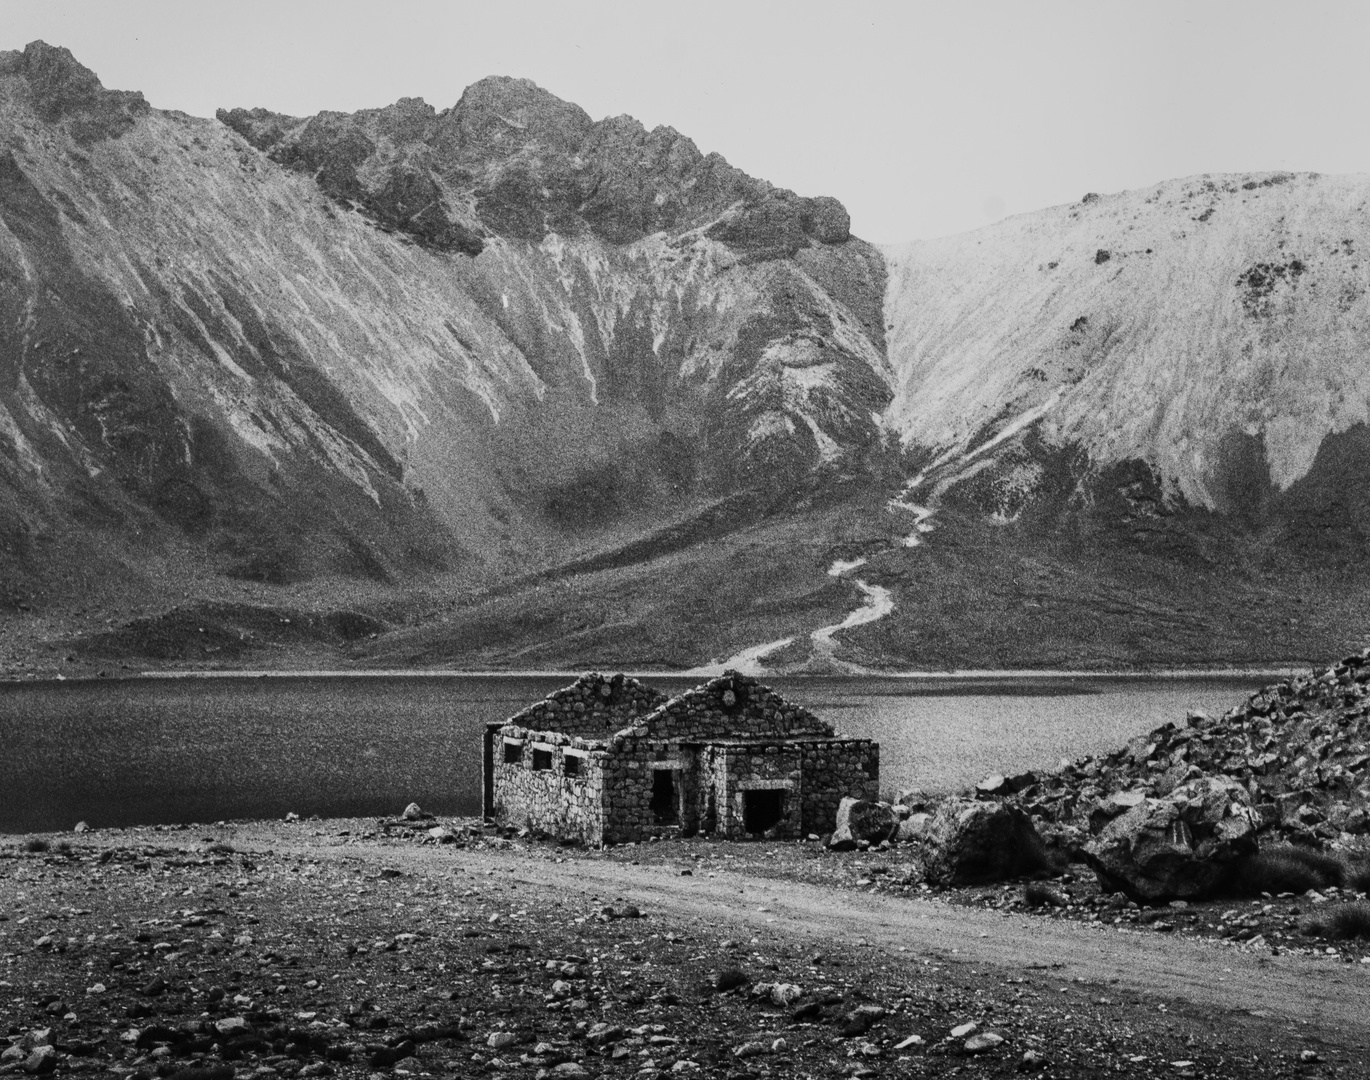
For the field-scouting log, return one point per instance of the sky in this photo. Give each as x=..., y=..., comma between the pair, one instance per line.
x=924, y=118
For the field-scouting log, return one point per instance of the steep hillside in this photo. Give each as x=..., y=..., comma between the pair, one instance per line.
x=1136, y=428
x=1214, y=328
x=380, y=348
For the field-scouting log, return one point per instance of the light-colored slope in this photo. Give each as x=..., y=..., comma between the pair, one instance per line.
x=1225, y=304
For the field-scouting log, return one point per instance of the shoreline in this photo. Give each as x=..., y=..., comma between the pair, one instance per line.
x=1005, y=676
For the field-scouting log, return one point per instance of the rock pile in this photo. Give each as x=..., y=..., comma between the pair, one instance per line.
x=1168, y=814
x=1301, y=749
x=1177, y=814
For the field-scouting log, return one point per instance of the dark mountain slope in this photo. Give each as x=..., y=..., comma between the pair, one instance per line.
x=408, y=349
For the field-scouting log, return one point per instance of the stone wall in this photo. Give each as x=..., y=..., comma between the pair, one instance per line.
x=754, y=767
x=832, y=770
x=594, y=704
x=732, y=704
x=628, y=780
x=567, y=804
x=739, y=736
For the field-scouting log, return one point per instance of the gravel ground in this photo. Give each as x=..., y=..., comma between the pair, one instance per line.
x=368, y=949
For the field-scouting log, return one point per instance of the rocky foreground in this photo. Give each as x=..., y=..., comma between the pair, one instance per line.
x=1194, y=906
x=423, y=948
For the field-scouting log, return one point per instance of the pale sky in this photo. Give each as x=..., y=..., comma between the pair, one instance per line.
x=923, y=118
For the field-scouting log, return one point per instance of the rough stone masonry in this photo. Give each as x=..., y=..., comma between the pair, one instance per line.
x=611, y=760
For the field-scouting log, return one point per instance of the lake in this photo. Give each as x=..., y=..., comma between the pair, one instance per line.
x=203, y=749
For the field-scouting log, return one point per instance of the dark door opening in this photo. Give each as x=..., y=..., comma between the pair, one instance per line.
x=762, y=809
x=663, y=797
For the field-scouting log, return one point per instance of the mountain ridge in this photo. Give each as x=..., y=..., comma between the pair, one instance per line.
x=500, y=384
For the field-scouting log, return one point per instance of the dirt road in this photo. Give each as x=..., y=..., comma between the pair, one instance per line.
x=1324, y=999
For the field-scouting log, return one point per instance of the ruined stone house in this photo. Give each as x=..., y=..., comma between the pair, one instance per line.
x=609, y=759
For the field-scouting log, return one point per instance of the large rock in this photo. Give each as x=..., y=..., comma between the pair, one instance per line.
x=1114, y=806
x=969, y=841
x=1181, y=847
x=913, y=827
x=860, y=819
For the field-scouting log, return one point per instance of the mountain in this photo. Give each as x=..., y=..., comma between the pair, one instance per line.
x=353, y=350
x=503, y=385
x=1158, y=400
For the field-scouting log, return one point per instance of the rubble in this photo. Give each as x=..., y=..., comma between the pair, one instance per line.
x=1298, y=752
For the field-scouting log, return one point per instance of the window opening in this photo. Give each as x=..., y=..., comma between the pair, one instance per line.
x=513, y=753
x=762, y=809
x=542, y=759
x=571, y=764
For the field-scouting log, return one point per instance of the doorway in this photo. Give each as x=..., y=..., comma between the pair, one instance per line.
x=664, y=810
x=762, y=809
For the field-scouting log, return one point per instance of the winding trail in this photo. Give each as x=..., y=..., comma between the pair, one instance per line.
x=949, y=468
x=878, y=603
x=746, y=662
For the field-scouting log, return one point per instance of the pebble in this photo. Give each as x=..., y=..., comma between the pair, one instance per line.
x=42, y=1060
x=962, y=1030
x=986, y=1040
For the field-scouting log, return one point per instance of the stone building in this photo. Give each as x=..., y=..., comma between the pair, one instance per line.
x=610, y=759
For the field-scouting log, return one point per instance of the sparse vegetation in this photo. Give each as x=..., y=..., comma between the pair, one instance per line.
x=35, y=845
x=1289, y=869
x=1357, y=876
x=1344, y=922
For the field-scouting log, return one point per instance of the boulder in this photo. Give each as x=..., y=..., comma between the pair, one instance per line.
x=969, y=841
x=1182, y=847
x=860, y=819
x=913, y=827
x=999, y=786
x=42, y=1060
x=1114, y=806
x=915, y=800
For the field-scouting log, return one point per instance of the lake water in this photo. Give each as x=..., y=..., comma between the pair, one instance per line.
x=152, y=750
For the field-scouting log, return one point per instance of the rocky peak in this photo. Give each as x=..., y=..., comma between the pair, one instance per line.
x=409, y=120
x=62, y=89
x=261, y=127
x=514, y=160
x=499, y=116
